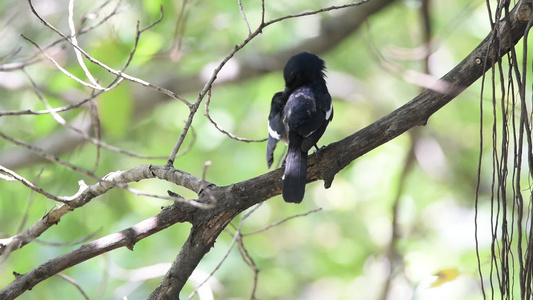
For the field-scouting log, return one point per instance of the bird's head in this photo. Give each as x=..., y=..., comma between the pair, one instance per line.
x=302, y=69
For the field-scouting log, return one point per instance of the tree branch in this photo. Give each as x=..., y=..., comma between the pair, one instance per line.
x=125, y=238
x=87, y=193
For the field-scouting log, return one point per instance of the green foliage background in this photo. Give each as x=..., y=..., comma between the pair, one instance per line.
x=339, y=252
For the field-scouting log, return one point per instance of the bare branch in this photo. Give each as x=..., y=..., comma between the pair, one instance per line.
x=161, y=15
x=84, y=134
x=55, y=110
x=217, y=126
x=30, y=201
x=95, y=12
x=175, y=50
x=183, y=133
x=60, y=68
x=125, y=238
x=27, y=183
x=314, y=12
x=74, y=283
x=282, y=221
x=247, y=258
x=243, y=14
x=37, y=57
x=49, y=157
x=87, y=193
x=262, y=11
x=74, y=41
x=107, y=68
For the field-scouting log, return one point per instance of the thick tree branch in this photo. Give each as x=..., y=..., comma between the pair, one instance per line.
x=125, y=238
x=87, y=193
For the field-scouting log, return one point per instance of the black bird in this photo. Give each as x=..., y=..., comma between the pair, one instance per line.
x=303, y=110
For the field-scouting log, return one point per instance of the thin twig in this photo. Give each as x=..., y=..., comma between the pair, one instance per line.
x=204, y=171
x=282, y=221
x=74, y=41
x=190, y=145
x=114, y=12
x=37, y=57
x=170, y=198
x=262, y=11
x=175, y=50
x=4, y=256
x=184, y=131
x=74, y=283
x=97, y=130
x=85, y=135
x=109, y=69
x=50, y=157
x=314, y=12
x=60, y=68
x=30, y=185
x=233, y=241
x=74, y=242
x=217, y=126
x=243, y=14
x=58, y=109
x=30, y=201
x=248, y=259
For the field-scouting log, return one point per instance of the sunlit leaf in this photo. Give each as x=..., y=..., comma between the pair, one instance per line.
x=445, y=275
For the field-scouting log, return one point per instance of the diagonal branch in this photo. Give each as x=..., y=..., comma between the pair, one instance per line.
x=87, y=193
x=125, y=238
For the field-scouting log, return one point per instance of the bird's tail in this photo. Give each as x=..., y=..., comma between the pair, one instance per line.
x=295, y=173
x=271, y=145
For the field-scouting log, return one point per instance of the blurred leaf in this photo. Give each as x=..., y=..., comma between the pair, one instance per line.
x=150, y=44
x=445, y=275
x=115, y=108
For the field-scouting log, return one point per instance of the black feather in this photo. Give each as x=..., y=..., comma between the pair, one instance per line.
x=295, y=172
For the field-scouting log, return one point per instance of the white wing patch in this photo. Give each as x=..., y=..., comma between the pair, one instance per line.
x=330, y=110
x=273, y=134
